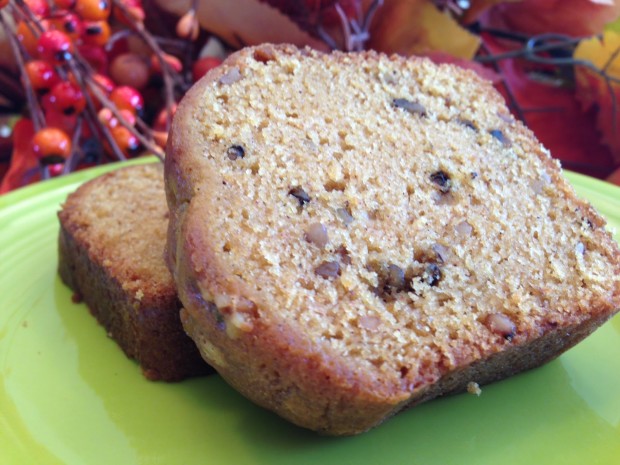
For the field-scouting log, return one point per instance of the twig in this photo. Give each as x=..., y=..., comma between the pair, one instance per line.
x=38, y=120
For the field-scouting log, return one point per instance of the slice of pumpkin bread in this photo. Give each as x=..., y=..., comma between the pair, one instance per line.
x=353, y=234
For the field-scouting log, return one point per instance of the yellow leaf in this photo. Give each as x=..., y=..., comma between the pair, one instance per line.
x=417, y=27
x=602, y=53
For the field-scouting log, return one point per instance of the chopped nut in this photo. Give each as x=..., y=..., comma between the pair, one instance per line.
x=369, y=322
x=443, y=253
x=235, y=151
x=316, y=233
x=345, y=258
x=264, y=55
x=395, y=278
x=502, y=325
x=464, y=228
x=474, y=388
x=432, y=274
x=442, y=179
x=391, y=279
x=328, y=270
x=407, y=105
x=230, y=77
x=345, y=215
x=468, y=124
x=499, y=135
x=300, y=195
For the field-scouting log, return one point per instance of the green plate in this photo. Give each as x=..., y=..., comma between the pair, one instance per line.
x=68, y=395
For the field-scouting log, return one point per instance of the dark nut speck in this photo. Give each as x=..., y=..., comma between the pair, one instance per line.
x=499, y=135
x=407, y=105
x=300, y=195
x=468, y=124
x=432, y=274
x=345, y=258
x=396, y=278
x=442, y=179
x=235, y=151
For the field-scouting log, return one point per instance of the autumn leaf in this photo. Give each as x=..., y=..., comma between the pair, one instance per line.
x=412, y=27
x=553, y=113
x=571, y=17
x=245, y=22
x=601, y=92
x=477, y=7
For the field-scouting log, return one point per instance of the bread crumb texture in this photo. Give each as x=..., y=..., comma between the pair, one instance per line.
x=392, y=211
x=122, y=219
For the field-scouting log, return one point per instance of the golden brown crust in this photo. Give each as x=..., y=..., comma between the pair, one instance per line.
x=305, y=357
x=111, y=241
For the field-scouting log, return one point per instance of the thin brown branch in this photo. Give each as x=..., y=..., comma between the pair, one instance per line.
x=38, y=120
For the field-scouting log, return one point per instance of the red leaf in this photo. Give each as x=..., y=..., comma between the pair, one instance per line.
x=555, y=116
x=572, y=17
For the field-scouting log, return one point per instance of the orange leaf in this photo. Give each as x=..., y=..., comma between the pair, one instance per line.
x=23, y=158
x=417, y=27
x=593, y=90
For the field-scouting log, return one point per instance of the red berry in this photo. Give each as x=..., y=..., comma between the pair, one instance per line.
x=93, y=10
x=67, y=98
x=55, y=169
x=67, y=22
x=103, y=82
x=96, y=32
x=106, y=117
x=65, y=4
x=130, y=69
x=54, y=46
x=126, y=141
x=163, y=117
x=202, y=65
x=41, y=74
x=40, y=8
x=127, y=98
x=51, y=145
x=96, y=56
x=58, y=120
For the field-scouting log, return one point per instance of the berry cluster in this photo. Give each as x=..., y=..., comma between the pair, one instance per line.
x=88, y=67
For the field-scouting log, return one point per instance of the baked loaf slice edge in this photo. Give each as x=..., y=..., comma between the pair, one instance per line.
x=111, y=246
x=352, y=234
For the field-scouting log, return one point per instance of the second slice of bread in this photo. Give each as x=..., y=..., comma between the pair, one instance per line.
x=111, y=245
